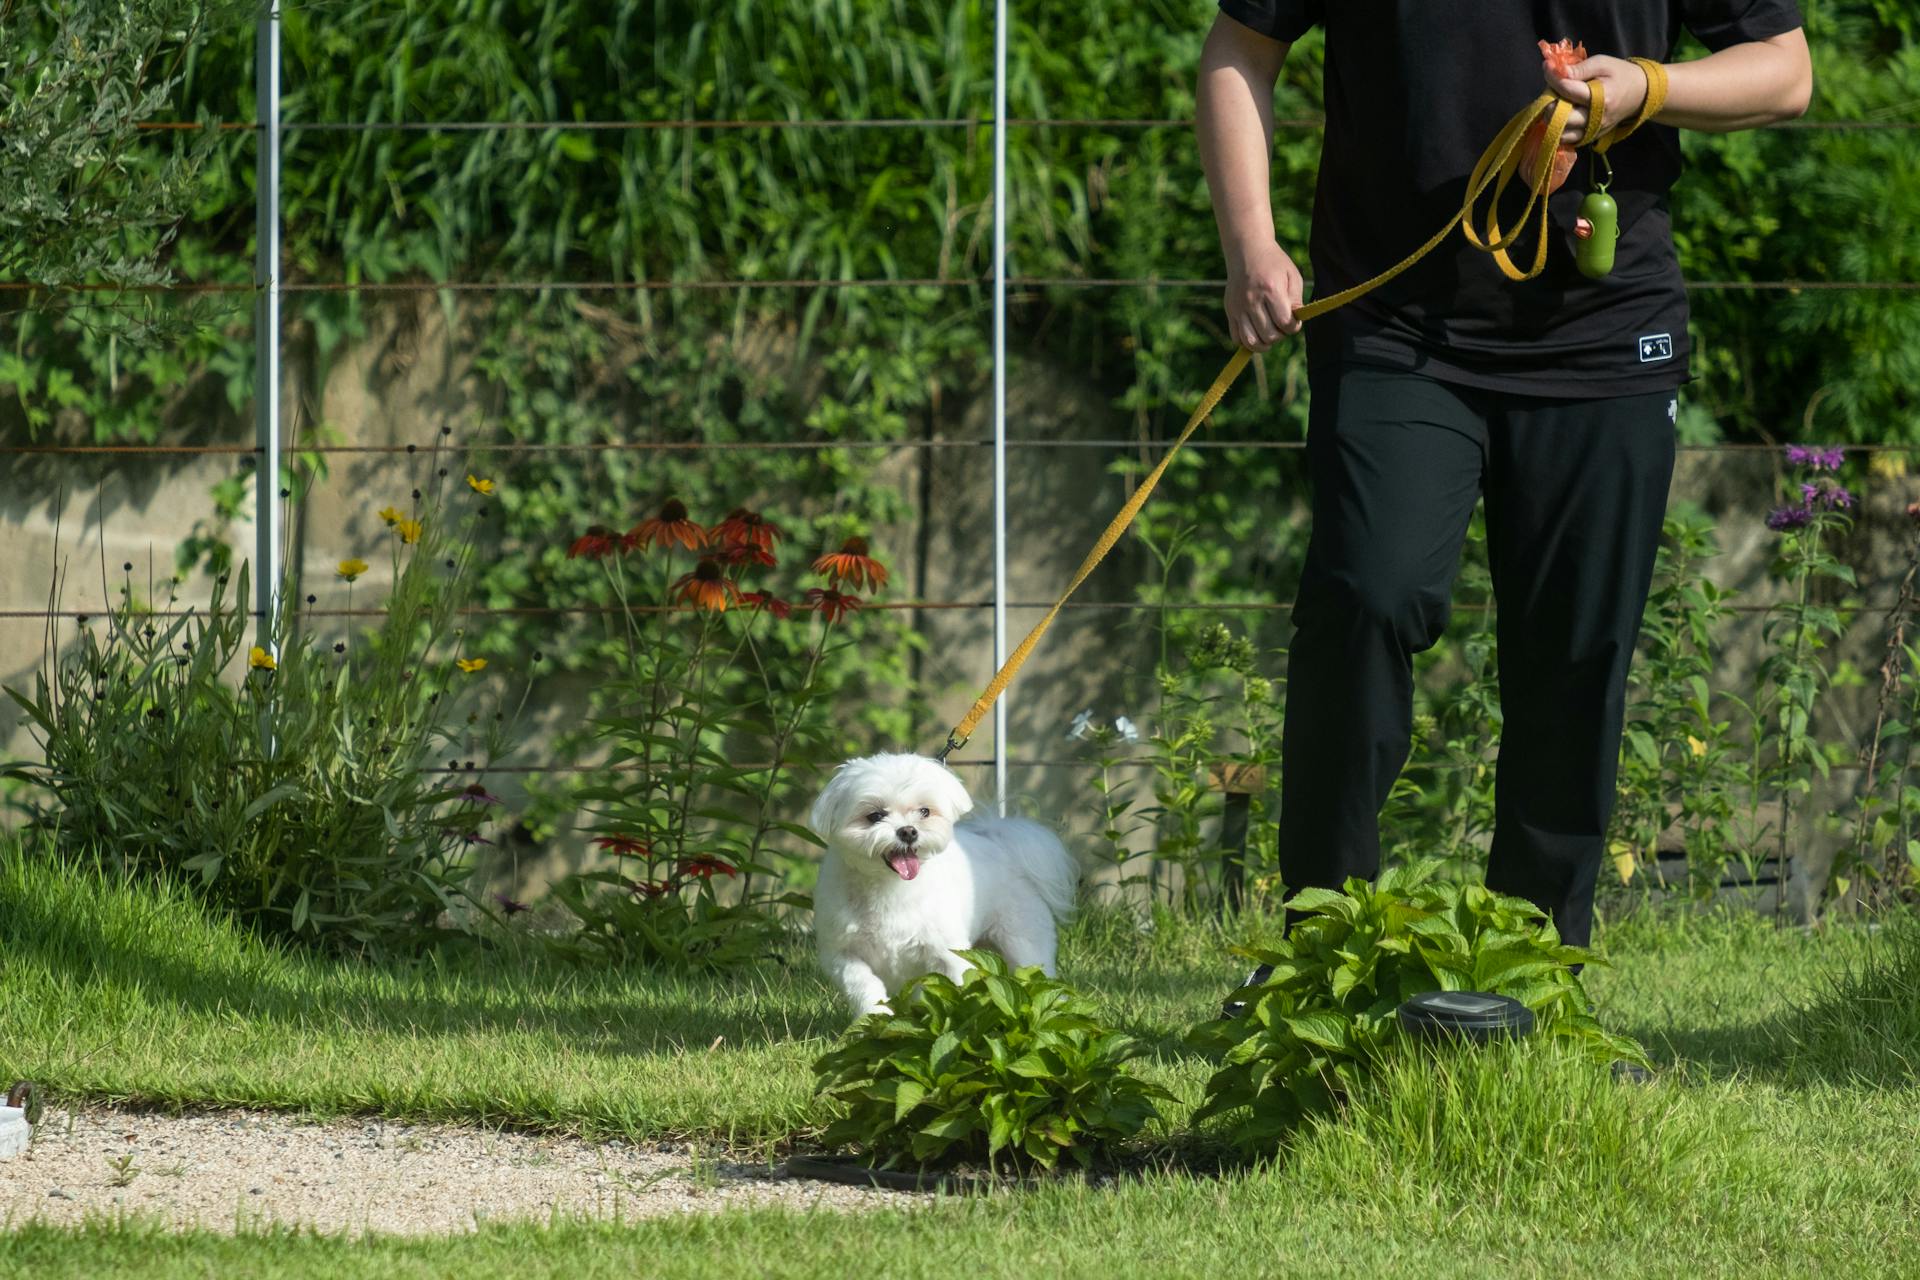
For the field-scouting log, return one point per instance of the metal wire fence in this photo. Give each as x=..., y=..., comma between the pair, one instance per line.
x=269, y=281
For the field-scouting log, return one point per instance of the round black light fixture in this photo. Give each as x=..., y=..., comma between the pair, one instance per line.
x=1476, y=1016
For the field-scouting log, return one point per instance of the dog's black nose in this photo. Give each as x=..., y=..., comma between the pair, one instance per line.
x=906, y=835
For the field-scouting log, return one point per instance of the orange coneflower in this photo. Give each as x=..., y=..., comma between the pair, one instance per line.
x=744, y=553
x=671, y=526
x=597, y=542
x=706, y=866
x=851, y=563
x=747, y=528
x=707, y=587
x=831, y=604
x=768, y=601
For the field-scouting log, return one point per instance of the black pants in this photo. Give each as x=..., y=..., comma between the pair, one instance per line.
x=1575, y=493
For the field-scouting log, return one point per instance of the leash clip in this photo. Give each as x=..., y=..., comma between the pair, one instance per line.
x=953, y=744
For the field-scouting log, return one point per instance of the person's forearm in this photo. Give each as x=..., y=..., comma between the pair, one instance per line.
x=1741, y=87
x=1234, y=122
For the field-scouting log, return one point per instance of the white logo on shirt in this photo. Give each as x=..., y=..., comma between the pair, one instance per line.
x=1655, y=346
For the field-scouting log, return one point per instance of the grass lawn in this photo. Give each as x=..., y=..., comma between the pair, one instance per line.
x=1783, y=1136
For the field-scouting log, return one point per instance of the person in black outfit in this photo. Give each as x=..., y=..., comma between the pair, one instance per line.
x=1554, y=399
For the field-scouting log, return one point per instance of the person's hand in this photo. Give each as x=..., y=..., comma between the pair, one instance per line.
x=1263, y=289
x=1623, y=87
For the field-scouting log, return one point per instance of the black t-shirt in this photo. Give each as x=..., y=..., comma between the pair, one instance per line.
x=1415, y=90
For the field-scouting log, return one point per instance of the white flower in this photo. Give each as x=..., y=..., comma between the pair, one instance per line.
x=1081, y=725
x=1124, y=727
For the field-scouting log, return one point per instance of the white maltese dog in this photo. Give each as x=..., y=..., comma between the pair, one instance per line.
x=904, y=883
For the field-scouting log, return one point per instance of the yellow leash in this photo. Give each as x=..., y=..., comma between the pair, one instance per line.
x=1496, y=169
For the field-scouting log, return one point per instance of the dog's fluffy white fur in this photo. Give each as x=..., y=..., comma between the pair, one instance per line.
x=904, y=883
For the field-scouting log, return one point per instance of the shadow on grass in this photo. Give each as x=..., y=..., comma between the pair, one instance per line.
x=1862, y=1028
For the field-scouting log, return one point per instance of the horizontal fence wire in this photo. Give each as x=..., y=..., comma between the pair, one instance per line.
x=202, y=287
x=896, y=122
x=956, y=762
x=886, y=606
x=425, y=451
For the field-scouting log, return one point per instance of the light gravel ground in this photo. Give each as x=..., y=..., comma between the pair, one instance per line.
x=233, y=1169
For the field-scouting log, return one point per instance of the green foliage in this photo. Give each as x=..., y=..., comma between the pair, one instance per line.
x=83, y=197
x=1321, y=1021
x=1681, y=765
x=307, y=800
x=999, y=1065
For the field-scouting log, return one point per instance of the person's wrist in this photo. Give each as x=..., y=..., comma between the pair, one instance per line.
x=1241, y=251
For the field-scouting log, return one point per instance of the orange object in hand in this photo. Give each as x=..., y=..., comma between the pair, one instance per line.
x=1561, y=57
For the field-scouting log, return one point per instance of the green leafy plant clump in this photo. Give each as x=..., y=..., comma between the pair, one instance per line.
x=1327, y=1013
x=297, y=784
x=1000, y=1065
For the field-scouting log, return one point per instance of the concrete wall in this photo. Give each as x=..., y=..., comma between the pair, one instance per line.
x=410, y=377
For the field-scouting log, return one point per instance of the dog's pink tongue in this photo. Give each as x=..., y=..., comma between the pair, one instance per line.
x=905, y=865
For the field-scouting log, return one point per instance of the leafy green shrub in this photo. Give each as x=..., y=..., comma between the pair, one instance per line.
x=1001, y=1061
x=309, y=799
x=1317, y=1026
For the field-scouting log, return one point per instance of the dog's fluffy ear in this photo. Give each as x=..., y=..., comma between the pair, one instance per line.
x=953, y=797
x=825, y=818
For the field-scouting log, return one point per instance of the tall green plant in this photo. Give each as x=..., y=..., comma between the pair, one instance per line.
x=307, y=795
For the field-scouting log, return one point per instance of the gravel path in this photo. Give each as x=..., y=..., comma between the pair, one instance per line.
x=233, y=1169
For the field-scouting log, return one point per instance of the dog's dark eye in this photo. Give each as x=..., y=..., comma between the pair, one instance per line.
x=924, y=812
x=878, y=815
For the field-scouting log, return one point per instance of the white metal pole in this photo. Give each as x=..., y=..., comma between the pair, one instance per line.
x=1000, y=391
x=269, y=510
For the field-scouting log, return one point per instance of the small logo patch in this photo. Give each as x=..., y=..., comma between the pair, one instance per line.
x=1655, y=347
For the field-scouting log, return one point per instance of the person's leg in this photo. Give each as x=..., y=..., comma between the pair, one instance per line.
x=1396, y=462
x=1576, y=493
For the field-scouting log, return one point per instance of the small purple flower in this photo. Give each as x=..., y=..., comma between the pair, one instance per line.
x=1788, y=518
x=508, y=905
x=477, y=794
x=1806, y=455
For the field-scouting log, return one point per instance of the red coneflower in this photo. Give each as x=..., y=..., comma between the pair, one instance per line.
x=851, y=563
x=743, y=553
x=670, y=528
x=646, y=888
x=768, y=601
x=706, y=867
x=706, y=587
x=624, y=844
x=747, y=528
x=596, y=543
x=477, y=794
x=831, y=604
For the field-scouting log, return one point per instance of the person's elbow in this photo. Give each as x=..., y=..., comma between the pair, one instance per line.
x=1796, y=90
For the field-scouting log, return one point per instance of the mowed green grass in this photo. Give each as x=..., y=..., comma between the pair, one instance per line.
x=1782, y=1138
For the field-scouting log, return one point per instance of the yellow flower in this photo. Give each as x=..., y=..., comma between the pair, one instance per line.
x=1699, y=747
x=1888, y=466
x=482, y=487
x=391, y=516
x=260, y=659
x=470, y=665
x=409, y=530
x=351, y=569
